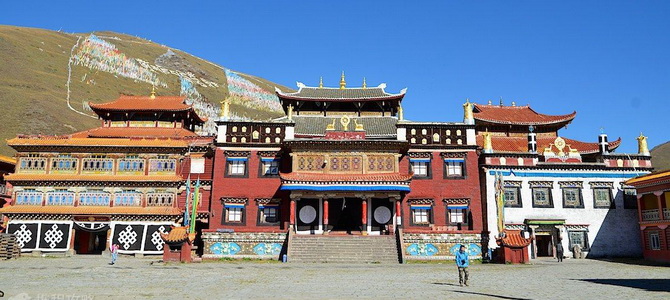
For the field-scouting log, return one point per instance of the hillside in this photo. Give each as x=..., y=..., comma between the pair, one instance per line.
x=660, y=157
x=47, y=77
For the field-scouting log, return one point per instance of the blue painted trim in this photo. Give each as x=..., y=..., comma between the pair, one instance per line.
x=233, y=205
x=565, y=175
x=236, y=159
x=454, y=160
x=344, y=188
x=457, y=207
x=268, y=206
x=420, y=208
x=269, y=159
x=419, y=159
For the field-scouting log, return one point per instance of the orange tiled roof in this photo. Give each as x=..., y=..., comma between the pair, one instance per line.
x=520, y=144
x=143, y=103
x=92, y=177
x=112, y=142
x=514, y=239
x=7, y=159
x=517, y=115
x=294, y=176
x=650, y=178
x=176, y=235
x=91, y=210
x=129, y=132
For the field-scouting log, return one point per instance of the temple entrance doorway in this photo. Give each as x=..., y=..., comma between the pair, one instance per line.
x=345, y=215
x=86, y=242
x=544, y=245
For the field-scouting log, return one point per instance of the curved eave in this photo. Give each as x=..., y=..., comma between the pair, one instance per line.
x=562, y=120
x=314, y=99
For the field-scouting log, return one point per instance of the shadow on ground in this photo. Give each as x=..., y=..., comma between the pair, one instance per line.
x=652, y=285
x=489, y=295
x=635, y=261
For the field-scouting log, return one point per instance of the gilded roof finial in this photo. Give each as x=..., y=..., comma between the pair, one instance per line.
x=343, y=83
x=290, y=112
x=365, y=85
x=642, y=147
x=225, y=109
x=400, y=113
x=321, y=82
x=153, y=92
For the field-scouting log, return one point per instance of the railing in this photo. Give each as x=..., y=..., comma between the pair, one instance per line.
x=127, y=199
x=666, y=213
x=650, y=215
x=162, y=165
x=60, y=198
x=29, y=198
x=94, y=199
x=131, y=166
x=32, y=164
x=63, y=165
x=97, y=165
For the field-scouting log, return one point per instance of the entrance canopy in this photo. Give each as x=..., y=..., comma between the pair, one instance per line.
x=345, y=182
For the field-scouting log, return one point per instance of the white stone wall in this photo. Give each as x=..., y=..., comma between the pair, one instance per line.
x=611, y=232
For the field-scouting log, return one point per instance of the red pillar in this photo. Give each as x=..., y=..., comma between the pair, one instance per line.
x=364, y=216
x=325, y=215
x=292, y=217
x=397, y=213
x=639, y=206
x=660, y=205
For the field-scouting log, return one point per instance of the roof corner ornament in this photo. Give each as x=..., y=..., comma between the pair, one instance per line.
x=382, y=85
x=468, y=117
x=153, y=92
x=403, y=91
x=300, y=84
x=343, y=83
x=277, y=90
x=321, y=82
x=642, y=147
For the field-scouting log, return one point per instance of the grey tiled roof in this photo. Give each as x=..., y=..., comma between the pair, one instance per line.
x=316, y=125
x=336, y=93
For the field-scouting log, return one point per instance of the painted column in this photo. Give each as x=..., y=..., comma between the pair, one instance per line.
x=660, y=204
x=533, y=249
x=364, y=216
x=292, y=216
x=325, y=216
x=398, y=215
x=639, y=206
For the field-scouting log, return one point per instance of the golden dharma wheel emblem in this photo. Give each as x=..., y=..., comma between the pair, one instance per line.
x=345, y=120
x=559, y=142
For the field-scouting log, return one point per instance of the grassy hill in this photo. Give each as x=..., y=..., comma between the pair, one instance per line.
x=35, y=65
x=660, y=156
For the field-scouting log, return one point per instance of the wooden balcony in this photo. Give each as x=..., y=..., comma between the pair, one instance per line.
x=650, y=215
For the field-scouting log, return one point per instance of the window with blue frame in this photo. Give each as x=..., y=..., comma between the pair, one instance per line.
x=60, y=197
x=128, y=198
x=95, y=198
x=29, y=197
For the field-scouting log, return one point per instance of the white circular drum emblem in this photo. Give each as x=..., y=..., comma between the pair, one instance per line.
x=382, y=214
x=307, y=214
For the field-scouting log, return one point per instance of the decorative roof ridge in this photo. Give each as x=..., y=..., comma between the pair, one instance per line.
x=301, y=86
x=480, y=108
x=8, y=159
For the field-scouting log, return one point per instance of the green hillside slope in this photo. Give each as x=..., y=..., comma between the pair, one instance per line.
x=39, y=68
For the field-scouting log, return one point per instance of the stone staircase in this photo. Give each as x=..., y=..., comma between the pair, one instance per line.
x=343, y=249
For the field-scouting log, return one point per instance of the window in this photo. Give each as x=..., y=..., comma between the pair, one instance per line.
x=237, y=167
x=162, y=164
x=458, y=216
x=268, y=214
x=269, y=167
x=602, y=198
x=629, y=198
x=654, y=241
x=197, y=165
x=572, y=198
x=580, y=238
x=95, y=198
x=420, y=216
x=542, y=197
x=60, y=197
x=234, y=214
x=454, y=168
x=29, y=197
x=421, y=168
x=512, y=197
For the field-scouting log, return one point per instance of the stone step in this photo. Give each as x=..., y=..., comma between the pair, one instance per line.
x=343, y=249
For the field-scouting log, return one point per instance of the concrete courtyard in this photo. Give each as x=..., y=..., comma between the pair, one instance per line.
x=90, y=277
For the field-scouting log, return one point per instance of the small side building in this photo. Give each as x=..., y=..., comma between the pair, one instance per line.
x=653, y=202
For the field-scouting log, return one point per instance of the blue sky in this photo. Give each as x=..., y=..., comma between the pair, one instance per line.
x=608, y=61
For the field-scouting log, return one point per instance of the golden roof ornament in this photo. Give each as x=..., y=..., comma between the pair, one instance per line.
x=359, y=127
x=642, y=147
x=400, y=113
x=321, y=82
x=559, y=143
x=488, y=145
x=467, y=110
x=345, y=120
x=331, y=126
x=343, y=83
x=290, y=112
x=153, y=92
x=365, y=85
x=225, y=108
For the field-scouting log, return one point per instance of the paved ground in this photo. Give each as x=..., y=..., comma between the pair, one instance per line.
x=89, y=277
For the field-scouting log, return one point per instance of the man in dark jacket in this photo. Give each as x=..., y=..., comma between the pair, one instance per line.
x=559, y=250
x=462, y=262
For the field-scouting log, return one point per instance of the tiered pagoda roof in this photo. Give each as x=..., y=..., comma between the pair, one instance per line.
x=518, y=115
x=126, y=103
x=306, y=93
x=519, y=144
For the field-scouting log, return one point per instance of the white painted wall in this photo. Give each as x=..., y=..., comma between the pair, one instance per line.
x=620, y=231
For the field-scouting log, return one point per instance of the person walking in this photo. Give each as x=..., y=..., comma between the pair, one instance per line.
x=114, y=249
x=462, y=262
x=559, y=251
